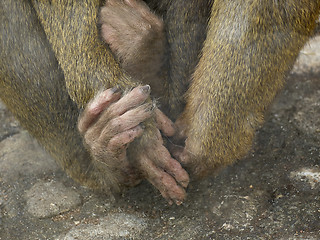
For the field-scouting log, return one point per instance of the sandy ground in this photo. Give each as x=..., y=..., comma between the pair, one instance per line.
x=274, y=193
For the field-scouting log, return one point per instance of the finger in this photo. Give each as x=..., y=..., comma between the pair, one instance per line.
x=167, y=186
x=132, y=99
x=164, y=124
x=96, y=106
x=181, y=130
x=159, y=137
x=118, y=15
x=183, y=156
x=122, y=139
x=172, y=166
x=112, y=2
x=145, y=12
x=113, y=15
x=108, y=34
x=126, y=121
x=134, y=4
x=140, y=6
x=175, y=150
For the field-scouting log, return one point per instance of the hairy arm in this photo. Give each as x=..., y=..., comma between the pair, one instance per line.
x=250, y=46
x=89, y=67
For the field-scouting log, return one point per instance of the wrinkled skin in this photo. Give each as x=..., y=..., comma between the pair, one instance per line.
x=110, y=123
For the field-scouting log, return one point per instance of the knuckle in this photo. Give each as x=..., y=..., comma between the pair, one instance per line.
x=134, y=133
x=115, y=124
x=112, y=144
x=131, y=135
x=92, y=109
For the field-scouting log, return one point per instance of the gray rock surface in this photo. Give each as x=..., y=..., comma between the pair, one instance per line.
x=47, y=199
x=118, y=225
x=274, y=193
x=21, y=156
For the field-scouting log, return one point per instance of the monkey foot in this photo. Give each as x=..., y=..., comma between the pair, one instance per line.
x=127, y=25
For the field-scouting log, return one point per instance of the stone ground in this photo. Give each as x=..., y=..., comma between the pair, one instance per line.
x=274, y=193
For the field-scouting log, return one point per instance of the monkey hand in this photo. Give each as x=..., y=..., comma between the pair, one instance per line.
x=187, y=152
x=157, y=165
x=190, y=158
x=131, y=30
x=108, y=124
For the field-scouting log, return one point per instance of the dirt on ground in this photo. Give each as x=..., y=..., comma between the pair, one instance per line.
x=274, y=193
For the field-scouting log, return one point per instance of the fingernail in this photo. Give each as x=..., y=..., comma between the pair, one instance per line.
x=115, y=89
x=184, y=184
x=145, y=89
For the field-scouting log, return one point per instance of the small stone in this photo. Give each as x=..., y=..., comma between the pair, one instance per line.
x=309, y=176
x=76, y=222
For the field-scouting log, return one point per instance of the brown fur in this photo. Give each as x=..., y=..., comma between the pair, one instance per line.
x=53, y=62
